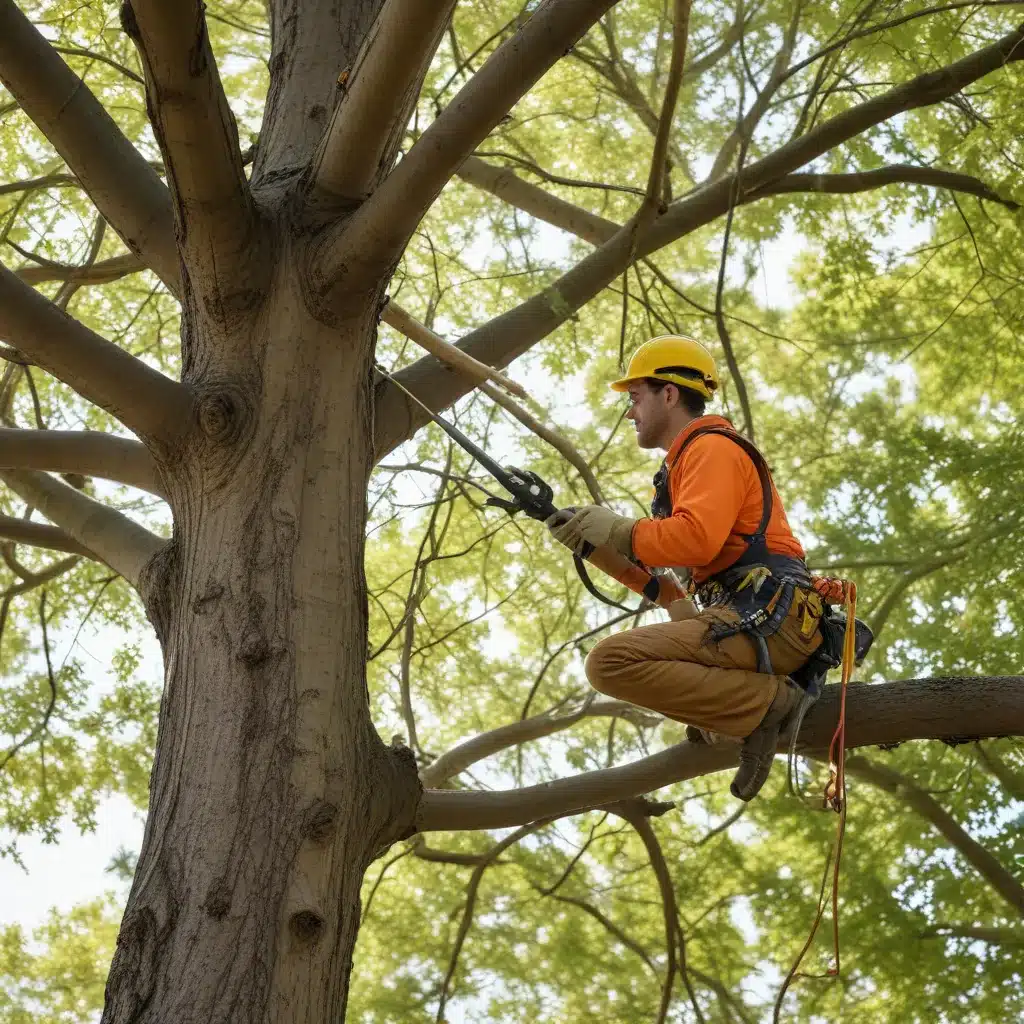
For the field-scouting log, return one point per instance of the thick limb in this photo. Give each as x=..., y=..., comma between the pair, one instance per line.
x=505, y=337
x=88, y=452
x=40, y=535
x=356, y=251
x=143, y=399
x=894, y=712
x=125, y=189
x=103, y=532
x=379, y=90
x=214, y=213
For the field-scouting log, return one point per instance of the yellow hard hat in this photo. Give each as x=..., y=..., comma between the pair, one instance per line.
x=676, y=359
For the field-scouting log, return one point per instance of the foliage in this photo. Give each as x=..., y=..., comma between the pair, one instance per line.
x=885, y=394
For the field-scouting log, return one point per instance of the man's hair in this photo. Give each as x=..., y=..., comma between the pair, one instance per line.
x=693, y=403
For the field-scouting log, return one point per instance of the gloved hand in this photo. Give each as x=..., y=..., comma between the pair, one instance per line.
x=595, y=525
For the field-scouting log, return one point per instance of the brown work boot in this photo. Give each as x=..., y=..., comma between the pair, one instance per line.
x=758, y=750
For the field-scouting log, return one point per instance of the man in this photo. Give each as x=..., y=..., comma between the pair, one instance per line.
x=724, y=672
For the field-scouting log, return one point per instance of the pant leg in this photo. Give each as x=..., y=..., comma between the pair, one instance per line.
x=668, y=668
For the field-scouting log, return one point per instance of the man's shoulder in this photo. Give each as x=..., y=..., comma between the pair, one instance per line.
x=719, y=441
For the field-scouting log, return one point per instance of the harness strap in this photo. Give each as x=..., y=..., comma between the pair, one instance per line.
x=760, y=465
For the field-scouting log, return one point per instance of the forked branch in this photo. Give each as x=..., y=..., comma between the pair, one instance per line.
x=505, y=337
x=887, y=713
x=126, y=190
x=356, y=251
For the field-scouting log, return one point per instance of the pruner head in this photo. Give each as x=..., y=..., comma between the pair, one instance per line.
x=511, y=507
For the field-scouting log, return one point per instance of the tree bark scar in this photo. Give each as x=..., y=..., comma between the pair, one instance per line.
x=254, y=649
x=133, y=971
x=306, y=927
x=159, y=585
x=319, y=821
x=214, y=592
x=218, y=900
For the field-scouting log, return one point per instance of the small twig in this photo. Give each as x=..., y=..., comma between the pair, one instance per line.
x=38, y=730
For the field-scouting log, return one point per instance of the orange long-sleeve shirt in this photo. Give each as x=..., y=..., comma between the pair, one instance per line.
x=716, y=498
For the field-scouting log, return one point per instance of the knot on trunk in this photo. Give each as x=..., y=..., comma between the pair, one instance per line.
x=318, y=821
x=306, y=926
x=222, y=413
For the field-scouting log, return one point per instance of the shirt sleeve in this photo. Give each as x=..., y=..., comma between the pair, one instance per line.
x=709, y=484
x=625, y=572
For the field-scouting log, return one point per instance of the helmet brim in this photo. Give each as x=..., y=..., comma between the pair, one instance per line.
x=702, y=389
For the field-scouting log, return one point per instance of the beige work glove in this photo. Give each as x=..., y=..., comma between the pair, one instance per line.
x=593, y=524
x=683, y=609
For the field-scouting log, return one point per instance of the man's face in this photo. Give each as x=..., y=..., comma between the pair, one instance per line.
x=649, y=411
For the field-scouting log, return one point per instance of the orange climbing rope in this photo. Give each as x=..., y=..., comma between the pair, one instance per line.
x=836, y=592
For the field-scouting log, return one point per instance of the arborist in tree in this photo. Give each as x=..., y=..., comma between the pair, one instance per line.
x=724, y=671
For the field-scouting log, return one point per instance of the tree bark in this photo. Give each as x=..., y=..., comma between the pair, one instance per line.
x=271, y=791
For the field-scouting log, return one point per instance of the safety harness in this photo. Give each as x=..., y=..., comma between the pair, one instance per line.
x=760, y=585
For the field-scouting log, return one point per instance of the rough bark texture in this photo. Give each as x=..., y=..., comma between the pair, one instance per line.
x=271, y=791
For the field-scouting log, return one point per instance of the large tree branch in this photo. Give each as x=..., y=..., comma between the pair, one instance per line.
x=213, y=208
x=126, y=190
x=107, y=534
x=504, y=338
x=886, y=713
x=88, y=452
x=152, y=405
x=357, y=250
x=977, y=933
x=40, y=535
x=892, y=781
x=379, y=90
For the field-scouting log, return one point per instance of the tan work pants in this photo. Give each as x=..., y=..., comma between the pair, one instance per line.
x=668, y=668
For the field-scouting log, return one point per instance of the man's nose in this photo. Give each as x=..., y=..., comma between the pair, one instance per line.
x=631, y=412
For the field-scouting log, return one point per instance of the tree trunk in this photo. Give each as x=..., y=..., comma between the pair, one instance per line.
x=271, y=791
